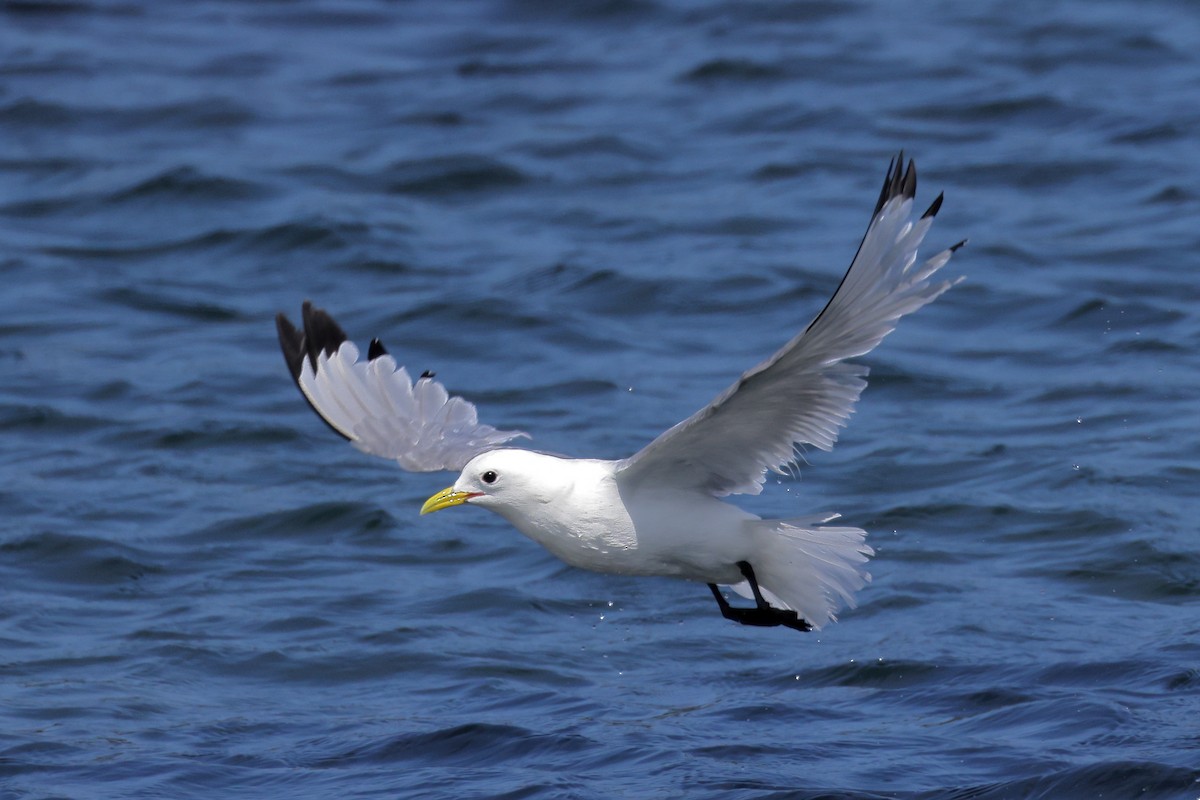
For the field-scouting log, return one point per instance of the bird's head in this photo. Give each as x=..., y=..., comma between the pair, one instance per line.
x=499, y=480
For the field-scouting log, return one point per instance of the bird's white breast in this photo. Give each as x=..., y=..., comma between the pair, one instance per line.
x=577, y=515
x=586, y=518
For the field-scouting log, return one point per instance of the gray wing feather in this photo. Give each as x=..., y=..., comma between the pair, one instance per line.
x=805, y=392
x=376, y=405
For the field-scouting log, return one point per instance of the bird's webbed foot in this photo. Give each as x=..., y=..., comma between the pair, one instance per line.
x=763, y=614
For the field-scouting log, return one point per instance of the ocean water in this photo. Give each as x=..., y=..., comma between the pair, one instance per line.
x=589, y=218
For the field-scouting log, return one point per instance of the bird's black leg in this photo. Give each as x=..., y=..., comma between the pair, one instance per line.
x=748, y=573
x=746, y=616
x=779, y=616
x=763, y=614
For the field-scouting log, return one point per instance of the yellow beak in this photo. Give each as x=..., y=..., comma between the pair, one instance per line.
x=445, y=499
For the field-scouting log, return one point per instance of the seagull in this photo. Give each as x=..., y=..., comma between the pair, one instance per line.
x=661, y=511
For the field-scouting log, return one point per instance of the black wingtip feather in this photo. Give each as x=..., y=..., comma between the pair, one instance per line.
x=955, y=248
x=900, y=181
x=910, y=180
x=321, y=333
x=291, y=341
x=375, y=350
x=934, y=208
x=887, y=186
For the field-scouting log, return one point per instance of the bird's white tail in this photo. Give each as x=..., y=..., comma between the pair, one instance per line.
x=811, y=568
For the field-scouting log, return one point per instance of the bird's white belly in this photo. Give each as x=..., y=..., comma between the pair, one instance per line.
x=685, y=534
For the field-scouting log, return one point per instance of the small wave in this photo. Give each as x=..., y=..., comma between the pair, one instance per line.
x=437, y=119
x=211, y=435
x=451, y=175
x=479, y=68
x=733, y=70
x=78, y=560
x=740, y=15
x=1035, y=109
x=591, y=146
x=882, y=674
x=306, y=235
x=162, y=303
x=622, y=293
x=1173, y=195
x=201, y=113
x=1104, y=779
x=47, y=166
x=319, y=520
x=474, y=744
x=51, y=8
x=785, y=171
x=1050, y=714
x=743, y=226
x=1148, y=345
x=302, y=235
x=432, y=177
x=189, y=116
x=583, y=387
x=46, y=419
x=1102, y=313
x=1152, y=134
x=35, y=114
x=788, y=117
x=1137, y=570
x=593, y=11
x=189, y=185
x=321, y=19
x=481, y=315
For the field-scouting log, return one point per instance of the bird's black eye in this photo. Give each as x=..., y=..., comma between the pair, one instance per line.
x=489, y=476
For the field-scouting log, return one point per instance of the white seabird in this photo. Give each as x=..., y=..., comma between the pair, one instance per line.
x=660, y=512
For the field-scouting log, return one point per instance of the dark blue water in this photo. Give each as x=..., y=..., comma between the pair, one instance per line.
x=588, y=218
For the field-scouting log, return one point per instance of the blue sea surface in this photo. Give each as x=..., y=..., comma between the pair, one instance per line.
x=589, y=218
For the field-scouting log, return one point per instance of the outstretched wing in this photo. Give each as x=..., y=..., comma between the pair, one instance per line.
x=376, y=405
x=804, y=393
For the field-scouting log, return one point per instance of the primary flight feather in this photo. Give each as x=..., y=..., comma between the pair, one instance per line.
x=659, y=511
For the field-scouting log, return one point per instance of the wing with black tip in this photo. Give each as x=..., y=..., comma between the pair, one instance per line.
x=804, y=393
x=376, y=405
